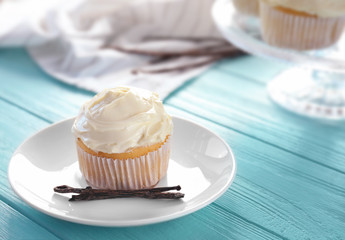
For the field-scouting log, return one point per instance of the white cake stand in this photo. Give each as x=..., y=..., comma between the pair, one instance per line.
x=314, y=88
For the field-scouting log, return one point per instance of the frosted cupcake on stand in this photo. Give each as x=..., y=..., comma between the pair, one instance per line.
x=302, y=24
x=123, y=139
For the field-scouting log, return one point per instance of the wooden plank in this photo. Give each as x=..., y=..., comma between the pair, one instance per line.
x=196, y=225
x=244, y=107
x=256, y=195
x=253, y=68
x=274, y=193
x=19, y=75
x=14, y=225
x=280, y=192
x=241, y=104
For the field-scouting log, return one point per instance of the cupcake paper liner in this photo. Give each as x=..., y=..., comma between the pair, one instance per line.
x=125, y=174
x=298, y=32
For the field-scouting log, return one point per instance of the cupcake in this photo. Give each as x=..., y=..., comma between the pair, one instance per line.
x=249, y=7
x=302, y=24
x=123, y=139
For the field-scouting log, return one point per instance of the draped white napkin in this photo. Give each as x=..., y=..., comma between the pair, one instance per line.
x=78, y=41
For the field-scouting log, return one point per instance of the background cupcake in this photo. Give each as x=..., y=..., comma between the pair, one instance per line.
x=302, y=24
x=249, y=7
x=123, y=139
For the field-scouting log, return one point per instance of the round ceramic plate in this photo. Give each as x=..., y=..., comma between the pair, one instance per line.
x=201, y=163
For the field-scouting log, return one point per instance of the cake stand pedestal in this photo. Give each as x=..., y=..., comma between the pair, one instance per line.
x=314, y=87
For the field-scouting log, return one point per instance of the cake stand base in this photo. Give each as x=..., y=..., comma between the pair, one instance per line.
x=315, y=94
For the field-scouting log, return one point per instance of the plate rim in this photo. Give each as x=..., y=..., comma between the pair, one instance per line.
x=127, y=223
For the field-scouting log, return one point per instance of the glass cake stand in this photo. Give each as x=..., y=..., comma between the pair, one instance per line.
x=314, y=87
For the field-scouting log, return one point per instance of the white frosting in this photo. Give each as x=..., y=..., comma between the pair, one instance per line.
x=120, y=119
x=321, y=8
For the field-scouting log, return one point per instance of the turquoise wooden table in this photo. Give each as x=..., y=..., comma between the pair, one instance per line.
x=290, y=181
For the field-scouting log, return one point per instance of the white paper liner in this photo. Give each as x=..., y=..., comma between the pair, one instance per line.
x=249, y=7
x=298, y=32
x=124, y=174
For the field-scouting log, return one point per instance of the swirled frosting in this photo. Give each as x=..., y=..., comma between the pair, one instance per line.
x=119, y=119
x=322, y=8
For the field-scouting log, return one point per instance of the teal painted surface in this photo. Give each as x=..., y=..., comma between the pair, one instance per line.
x=290, y=182
x=16, y=226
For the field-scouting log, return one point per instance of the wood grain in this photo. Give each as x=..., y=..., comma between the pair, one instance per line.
x=248, y=110
x=65, y=230
x=290, y=182
x=16, y=226
x=279, y=191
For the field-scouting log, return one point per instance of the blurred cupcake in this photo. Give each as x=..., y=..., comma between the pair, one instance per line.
x=123, y=139
x=249, y=7
x=302, y=24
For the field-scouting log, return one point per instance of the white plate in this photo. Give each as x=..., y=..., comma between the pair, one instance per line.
x=201, y=162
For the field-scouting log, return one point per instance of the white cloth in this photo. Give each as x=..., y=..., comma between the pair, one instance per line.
x=73, y=40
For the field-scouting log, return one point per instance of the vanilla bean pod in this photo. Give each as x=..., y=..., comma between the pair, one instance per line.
x=89, y=193
x=190, y=39
x=68, y=189
x=224, y=49
x=221, y=49
x=149, y=195
x=181, y=67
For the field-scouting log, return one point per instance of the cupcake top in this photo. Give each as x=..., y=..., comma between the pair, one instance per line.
x=119, y=119
x=321, y=8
